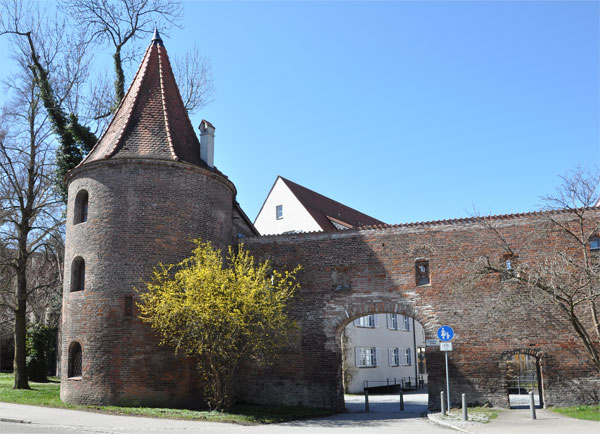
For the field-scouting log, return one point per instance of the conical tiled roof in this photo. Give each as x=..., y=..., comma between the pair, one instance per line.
x=151, y=121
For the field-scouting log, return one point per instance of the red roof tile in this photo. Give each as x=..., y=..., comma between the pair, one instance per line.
x=326, y=211
x=151, y=121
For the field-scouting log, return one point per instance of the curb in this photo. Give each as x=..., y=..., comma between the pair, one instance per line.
x=445, y=424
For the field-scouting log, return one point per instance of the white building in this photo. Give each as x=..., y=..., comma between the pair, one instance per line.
x=289, y=207
x=383, y=349
x=379, y=349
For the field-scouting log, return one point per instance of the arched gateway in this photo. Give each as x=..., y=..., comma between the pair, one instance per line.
x=149, y=187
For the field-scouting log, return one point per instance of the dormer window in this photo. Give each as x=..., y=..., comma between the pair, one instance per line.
x=279, y=212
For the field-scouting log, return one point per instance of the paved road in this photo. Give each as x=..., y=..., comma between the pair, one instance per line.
x=384, y=416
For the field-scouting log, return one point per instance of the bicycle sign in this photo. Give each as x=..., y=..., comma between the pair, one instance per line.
x=445, y=333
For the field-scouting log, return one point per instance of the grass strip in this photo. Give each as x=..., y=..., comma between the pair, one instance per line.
x=585, y=412
x=48, y=395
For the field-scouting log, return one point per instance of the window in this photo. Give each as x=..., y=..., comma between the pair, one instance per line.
x=595, y=244
x=392, y=321
x=78, y=274
x=407, y=357
x=75, y=360
x=128, y=305
x=394, y=355
x=81, y=207
x=398, y=322
x=367, y=357
x=279, y=212
x=510, y=261
x=369, y=321
x=422, y=272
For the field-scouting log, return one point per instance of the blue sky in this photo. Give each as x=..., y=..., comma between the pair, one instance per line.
x=406, y=111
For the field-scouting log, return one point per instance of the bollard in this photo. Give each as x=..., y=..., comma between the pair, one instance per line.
x=366, y=399
x=464, y=407
x=401, y=400
x=532, y=405
x=443, y=403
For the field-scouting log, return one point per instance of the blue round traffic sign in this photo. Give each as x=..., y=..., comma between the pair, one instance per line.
x=445, y=333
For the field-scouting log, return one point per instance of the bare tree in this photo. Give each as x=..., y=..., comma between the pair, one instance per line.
x=31, y=209
x=194, y=76
x=569, y=276
x=119, y=21
x=78, y=101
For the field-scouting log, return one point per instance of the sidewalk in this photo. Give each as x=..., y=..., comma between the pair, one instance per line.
x=519, y=421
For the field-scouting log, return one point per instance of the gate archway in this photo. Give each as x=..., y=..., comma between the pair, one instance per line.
x=523, y=374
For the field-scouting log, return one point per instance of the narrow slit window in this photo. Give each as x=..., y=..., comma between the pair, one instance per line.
x=78, y=275
x=128, y=305
x=422, y=272
x=75, y=360
x=81, y=207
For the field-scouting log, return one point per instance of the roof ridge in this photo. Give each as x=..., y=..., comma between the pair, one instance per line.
x=327, y=198
x=453, y=221
x=164, y=106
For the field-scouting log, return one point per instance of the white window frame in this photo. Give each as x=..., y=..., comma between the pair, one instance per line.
x=367, y=357
x=367, y=321
x=406, y=323
x=406, y=357
x=278, y=212
x=392, y=321
x=394, y=356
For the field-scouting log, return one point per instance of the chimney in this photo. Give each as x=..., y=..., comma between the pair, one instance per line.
x=207, y=143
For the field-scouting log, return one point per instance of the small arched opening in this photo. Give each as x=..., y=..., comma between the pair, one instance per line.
x=78, y=274
x=81, y=207
x=75, y=360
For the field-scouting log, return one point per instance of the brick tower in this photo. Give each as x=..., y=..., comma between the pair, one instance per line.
x=143, y=193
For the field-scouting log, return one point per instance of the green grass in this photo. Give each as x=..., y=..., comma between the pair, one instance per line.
x=586, y=412
x=47, y=394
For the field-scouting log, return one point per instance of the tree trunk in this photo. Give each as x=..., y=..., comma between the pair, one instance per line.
x=20, y=360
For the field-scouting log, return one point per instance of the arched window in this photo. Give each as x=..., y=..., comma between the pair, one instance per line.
x=75, y=357
x=78, y=274
x=81, y=207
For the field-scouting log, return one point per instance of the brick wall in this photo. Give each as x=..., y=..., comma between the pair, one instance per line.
x=140, y=212
x=378, y=270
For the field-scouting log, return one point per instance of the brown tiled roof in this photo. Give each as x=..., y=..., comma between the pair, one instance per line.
x=151, y=121
x=325, y=211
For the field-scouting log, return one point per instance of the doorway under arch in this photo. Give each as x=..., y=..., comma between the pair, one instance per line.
x=524, y=375
x=383, y=354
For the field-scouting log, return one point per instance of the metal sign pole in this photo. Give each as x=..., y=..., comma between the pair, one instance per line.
x=447, y=380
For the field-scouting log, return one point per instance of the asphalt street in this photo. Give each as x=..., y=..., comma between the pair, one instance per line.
x=385, y=415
